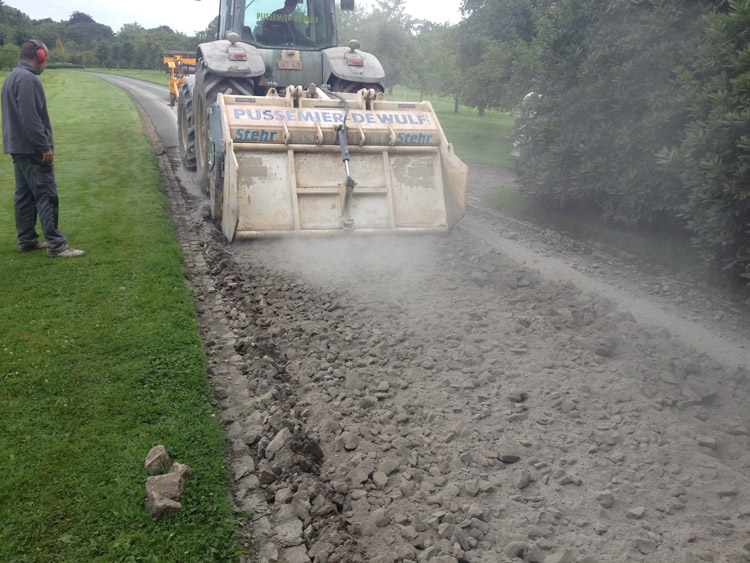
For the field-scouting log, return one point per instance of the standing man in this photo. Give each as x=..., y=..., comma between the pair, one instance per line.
x=27, y=137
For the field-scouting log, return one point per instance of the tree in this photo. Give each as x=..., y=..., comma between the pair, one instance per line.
x=386, y=32
x=88, y=58
x=9, y=56
x=491, y=41
x=85, y=34
x=80, y=40
x=128, y=37
x=131, y=32
x=125, y=54
x=15, y=26
x=208, y=34
x=80, y=17
x=642, y=117
x=58, y=52
x=103, y=52
x=434, y=68
x=49, y=32
x=502, y=20
x=149, y=49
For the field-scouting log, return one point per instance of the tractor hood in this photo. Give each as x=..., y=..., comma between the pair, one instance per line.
x=352, y=65
x=286, y=67
x=232, y=59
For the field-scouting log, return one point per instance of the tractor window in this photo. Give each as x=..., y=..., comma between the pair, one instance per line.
x=299, y=24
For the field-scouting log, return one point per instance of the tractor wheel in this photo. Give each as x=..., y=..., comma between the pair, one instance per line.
x=347, y=87
x=208, y=86
x=186, y=128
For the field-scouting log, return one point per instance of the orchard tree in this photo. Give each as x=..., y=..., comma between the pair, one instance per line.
x=493, y=45
x=386, y=31
x=501, y=20
x=434, y=64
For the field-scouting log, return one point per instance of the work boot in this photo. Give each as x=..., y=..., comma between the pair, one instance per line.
x=38, y=245
x=66, y=252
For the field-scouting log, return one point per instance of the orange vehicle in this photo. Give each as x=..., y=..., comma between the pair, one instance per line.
x=179, y=65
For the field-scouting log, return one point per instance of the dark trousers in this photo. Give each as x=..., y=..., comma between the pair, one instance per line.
x=36, y=194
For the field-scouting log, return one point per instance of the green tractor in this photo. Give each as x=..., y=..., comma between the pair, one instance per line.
x=268, y=45
x=273, y=102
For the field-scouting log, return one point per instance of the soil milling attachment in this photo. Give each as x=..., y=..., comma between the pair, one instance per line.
x=435, y=401
x=316, y=162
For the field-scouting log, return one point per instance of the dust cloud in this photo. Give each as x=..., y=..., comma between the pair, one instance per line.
x=385, y=268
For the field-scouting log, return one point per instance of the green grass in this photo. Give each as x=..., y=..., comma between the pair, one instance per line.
x=100, y=357
x=476, y=140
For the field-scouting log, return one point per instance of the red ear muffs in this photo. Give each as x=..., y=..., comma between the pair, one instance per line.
x=41, y=54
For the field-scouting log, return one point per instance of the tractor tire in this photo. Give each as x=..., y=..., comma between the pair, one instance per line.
x=185, y=128
x=216, y=188
x=346, y=87
x=208, y=86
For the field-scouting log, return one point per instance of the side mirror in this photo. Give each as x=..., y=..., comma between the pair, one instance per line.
x=347, y=5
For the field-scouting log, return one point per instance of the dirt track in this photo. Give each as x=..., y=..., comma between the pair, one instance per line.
x=433, y=399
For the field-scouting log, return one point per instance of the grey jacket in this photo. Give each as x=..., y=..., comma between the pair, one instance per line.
x=26, y=125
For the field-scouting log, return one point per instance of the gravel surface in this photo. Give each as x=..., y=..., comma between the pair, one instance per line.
x=499, y=393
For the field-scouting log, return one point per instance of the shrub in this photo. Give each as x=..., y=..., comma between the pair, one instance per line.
x=608, y=106
x=713, y=160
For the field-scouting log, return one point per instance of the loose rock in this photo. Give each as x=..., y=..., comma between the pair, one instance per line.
x=157, y=460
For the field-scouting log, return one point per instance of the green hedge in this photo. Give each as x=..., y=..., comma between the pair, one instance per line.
x=713, y=160
x=643, y=118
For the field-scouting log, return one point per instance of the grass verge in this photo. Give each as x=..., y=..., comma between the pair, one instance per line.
x=100, y=357
x=478, y=140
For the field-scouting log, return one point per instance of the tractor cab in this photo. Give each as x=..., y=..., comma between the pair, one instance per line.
x=307, y=25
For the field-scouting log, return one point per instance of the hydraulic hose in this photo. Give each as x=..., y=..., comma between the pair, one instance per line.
x=346, y=215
